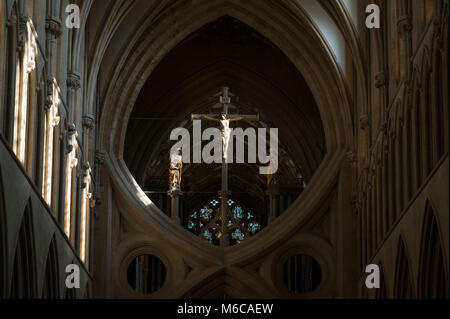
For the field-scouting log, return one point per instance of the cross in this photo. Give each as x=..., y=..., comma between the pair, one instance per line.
x=225, y=119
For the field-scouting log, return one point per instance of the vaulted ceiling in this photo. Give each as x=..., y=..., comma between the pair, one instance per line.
x=229, y=53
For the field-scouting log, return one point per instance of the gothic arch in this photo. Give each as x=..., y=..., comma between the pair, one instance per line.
x=403, y=282
x=132, y=77
x=150, y=45
x=50, y=288
x=24, y=279
x=148, y=49
x=433, y=277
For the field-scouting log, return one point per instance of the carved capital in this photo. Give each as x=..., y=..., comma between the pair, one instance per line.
x=71, y=129
x=404, y=24
x=100, y=157
x=364, y=121
x=350, y=156
x=381, y=79
x=73, y=81
x=88, y=121
x=53, y=26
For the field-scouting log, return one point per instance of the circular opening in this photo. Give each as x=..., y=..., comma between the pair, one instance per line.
x=146, y=274
x=301, y=274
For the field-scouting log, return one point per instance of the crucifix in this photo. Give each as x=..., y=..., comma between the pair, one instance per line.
x=224, y=120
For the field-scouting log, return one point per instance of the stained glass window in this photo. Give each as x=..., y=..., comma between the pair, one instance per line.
x=206, y=222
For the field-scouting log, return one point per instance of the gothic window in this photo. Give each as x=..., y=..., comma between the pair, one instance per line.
x=24, y=93
x=70, y=184
x=206, y=222
x=50, y=288
x=23, y=284
x=51, y=121
x=85, y=209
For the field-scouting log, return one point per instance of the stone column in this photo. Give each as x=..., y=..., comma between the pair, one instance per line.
x=11, y=29
x=272, y=191
x=53, y=32
x=73, y=84
x=175, y=194
x=88, y=126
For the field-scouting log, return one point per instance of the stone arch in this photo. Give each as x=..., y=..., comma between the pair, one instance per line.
x=131, y=77
x=50, y=288
x=141, y=57
x=403, y=282
x=151, y=43
x=433, y=277
x=24, y=285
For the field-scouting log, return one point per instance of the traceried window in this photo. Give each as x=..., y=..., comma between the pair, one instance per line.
x=206, y=222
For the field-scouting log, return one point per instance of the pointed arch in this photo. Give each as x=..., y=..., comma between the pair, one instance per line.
x=403, y=286
x=50, y=288
x=23, y=284
x=433, y=277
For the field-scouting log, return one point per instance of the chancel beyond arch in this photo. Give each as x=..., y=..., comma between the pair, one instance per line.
x=154, y=40
x=86, y=175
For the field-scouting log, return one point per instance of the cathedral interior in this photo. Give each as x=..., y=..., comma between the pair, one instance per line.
x=92, y=91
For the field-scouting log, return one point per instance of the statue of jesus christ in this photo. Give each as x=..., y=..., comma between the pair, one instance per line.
x=225, y=128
